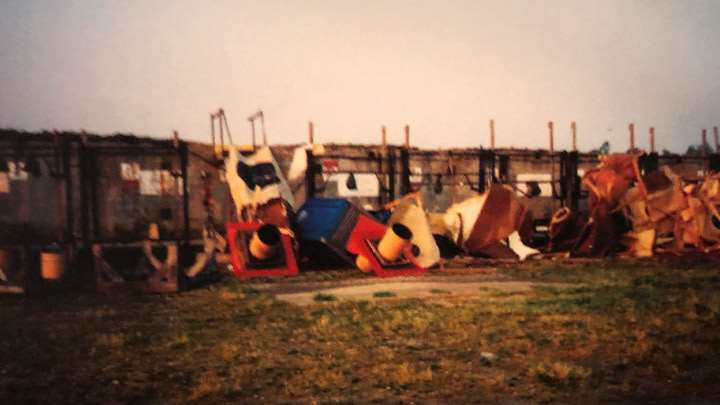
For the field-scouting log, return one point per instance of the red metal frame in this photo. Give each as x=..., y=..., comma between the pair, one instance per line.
x=367, y=229
x=240, y=262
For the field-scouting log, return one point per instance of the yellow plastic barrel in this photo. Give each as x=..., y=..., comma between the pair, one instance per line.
x=264, y=242
x=52, y=265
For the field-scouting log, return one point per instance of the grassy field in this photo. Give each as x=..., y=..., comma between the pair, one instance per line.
x=617, y=331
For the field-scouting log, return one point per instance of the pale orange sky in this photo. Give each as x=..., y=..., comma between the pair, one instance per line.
x=444, y=68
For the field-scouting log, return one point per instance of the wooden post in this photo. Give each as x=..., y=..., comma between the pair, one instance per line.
x=573, y=128
x=311, y=132
x=551, y=127
x=407, y=136
x=383, y=130
x=652, y=139
x=492, y=134
x=717, y=139
x=631, y=127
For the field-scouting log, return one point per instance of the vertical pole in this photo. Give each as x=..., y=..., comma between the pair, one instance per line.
x=631, y=127
x=407, y=136
x=573, y=128
x=94, y=185
x=84, y=192
x=222, y=138
x=310, y=175
x=183, y=151
x=652, y=139
x=391, y=172
x=61, y=200
x=311, y=132
x=704, y=142
x=551, y=134
x=492, y=134
x=717, y=139
x=383, y=130
x=67, y=174
x=404, y=171
x=481, y=170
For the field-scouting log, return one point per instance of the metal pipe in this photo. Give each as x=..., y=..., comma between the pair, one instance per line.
x=183, y=151
x=222, y=138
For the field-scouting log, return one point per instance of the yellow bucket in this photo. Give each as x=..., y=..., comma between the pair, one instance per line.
x=264, y=242
x=52, y=265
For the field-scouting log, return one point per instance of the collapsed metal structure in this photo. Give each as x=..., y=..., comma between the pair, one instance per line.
x=121, y=209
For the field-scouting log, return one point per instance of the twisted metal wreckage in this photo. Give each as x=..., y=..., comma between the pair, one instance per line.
x=278, y=224
x=629, y=213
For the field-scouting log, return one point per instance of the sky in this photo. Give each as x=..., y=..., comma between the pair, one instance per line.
x=443, y=67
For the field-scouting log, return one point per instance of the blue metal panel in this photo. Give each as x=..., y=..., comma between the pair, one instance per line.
x=318, y=218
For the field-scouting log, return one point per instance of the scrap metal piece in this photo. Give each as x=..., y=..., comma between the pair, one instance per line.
x=480, y=221
x=255, y=180
x=262, y=197
x=409, y=212
x=349, y=231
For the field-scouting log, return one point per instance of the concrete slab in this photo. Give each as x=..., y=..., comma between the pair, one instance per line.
x=411, y=289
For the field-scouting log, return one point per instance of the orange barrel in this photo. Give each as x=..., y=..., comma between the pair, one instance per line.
x=52, y=265
x=395, y=240
x=264, y=242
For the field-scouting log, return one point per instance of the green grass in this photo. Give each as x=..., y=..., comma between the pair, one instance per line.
x=611, y=332
x=384, y=294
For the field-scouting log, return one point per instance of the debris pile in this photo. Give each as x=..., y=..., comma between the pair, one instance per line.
x=637, y=214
